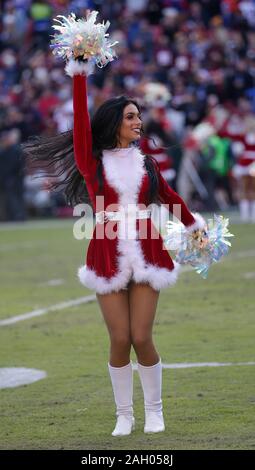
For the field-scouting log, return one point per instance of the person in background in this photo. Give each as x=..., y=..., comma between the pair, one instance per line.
x=194, y=175
x=239, y=126
x=218, y=158
x=245, y=172
x=11, y=176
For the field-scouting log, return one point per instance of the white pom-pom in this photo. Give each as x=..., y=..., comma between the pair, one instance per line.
x=82, y=38
x=75, y=67
x=202, y=250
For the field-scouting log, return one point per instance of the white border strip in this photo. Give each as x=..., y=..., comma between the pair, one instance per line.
x=185, y=365
x=42, y=311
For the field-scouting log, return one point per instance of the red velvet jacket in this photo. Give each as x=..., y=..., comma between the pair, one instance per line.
x=112, y=261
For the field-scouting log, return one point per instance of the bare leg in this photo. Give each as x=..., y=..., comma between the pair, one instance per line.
x=115, y=310
x=143, y=301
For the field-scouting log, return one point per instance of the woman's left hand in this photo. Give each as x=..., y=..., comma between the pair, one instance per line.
x=200, y=238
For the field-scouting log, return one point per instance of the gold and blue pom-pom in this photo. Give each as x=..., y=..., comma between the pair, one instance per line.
x=82, y=39
x=201, y=248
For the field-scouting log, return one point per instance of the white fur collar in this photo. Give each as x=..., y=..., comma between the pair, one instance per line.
x=124, y=170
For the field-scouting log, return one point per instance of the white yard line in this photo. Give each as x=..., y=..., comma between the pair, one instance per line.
x=185, y=365
x=35, y=225
x=51, y=308
x=249, y=275
x=53, y=282
x=39, y=224
x=91, y=298
x=242, y=254
x=22, y=245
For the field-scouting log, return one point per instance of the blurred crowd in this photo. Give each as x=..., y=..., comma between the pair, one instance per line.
x=200, y=55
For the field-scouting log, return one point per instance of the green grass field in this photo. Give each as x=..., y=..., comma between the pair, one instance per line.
x=73, y=408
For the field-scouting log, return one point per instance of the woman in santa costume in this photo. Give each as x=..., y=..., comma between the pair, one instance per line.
x=127, y=271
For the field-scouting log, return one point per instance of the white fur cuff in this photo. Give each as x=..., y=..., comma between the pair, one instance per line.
x=199, y=223
x=74, y=67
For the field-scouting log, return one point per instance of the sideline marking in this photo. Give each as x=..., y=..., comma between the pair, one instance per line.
x=42, y=311
x=249, y=275
x=185, y=365
x=11, y=377
x=22, y=245
x=53, y=282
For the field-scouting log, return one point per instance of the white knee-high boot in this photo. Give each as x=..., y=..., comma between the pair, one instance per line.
x=244, y=208
x=151, y=380
x=253, y=211
x=122, y=385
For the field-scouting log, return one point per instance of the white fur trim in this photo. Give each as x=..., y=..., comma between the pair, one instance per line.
x=199, y=223
x=241, y=170
x=124, y=172
x=101, y=284
x=157, y=278
x=74, y=67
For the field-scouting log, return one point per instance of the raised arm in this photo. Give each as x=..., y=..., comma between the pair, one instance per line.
x=82, y=135
x=192, y=221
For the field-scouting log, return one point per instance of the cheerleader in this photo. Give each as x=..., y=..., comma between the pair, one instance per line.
x=240, y=128
x=126, y=272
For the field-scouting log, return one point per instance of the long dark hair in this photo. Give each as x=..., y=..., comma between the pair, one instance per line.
x=55, y=154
